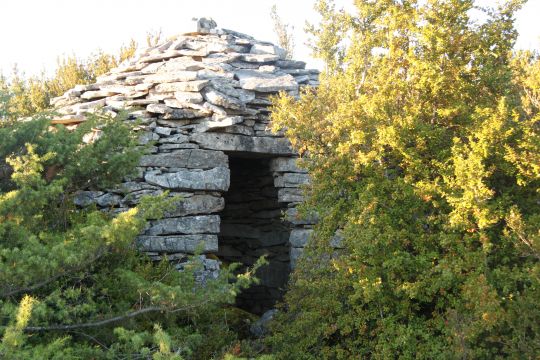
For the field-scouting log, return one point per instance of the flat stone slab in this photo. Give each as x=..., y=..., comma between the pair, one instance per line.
x=227, y=122
x=265, y=82
x=299, y=237
x=189, y=97
x=175, y=113
x=268, y=49
x=199, y=224
x=207, y=243
x=197, y=204
x=290, y=195
x=171, y=77
x=291, y=180
x=231, y=88
x=182, y=86
x=291, y=64
x=294, y=218
x=243, y=143
x=295, y=254
x=218, y=98
x=259, y=58
x=217, y=179
x=285, y=165
x=190, y=159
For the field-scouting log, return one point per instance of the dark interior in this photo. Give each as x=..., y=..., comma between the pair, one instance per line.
x=252, y=226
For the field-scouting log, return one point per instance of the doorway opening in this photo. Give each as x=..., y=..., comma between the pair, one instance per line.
x=252, y=226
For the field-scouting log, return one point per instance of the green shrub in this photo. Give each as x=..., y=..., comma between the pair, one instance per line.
x=72, y=285
x=423, y=143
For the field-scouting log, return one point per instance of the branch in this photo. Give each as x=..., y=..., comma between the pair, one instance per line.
x=6, y=293
x=105, y=322
x=94, y=324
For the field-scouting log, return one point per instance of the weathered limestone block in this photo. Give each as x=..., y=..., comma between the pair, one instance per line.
x=241, y=143
x=291, y=180
x=134, y=198
x=205, y=25
x=90, y=95
x=143, y=87
x=218, y=98
x=175, y=113
x=210, y=269
x=300, y=237
x=85, y=198
x=287, y=164
x=302, y=79
x=266, y=82
x=268, y=49
x=147, y=136
x=291, y=64
x=188, y=86
x=199, y=224
x=207, y=74
x=181, y=64
x=290, y=195
x=82, y=107
x=179, y=243
x=190, y=159
x=239, y=129
x=170, y=147
x=294, y=218
x=109, y=200
x=170, y=77
x=132, y=186
x=240, y=64
x=221, y=59
x=163, y=131
x=197, y=204
x=217, y=110
x=162, y=56
x=259, y=58
x=189, y=97
x=218, y=123
x=158, y=108
x=217, y=179
x=231, y=88
x=174, y=139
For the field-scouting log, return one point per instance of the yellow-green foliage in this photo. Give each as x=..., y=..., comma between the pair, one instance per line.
x=72, y=285
x=423, y=143
x=28, y=96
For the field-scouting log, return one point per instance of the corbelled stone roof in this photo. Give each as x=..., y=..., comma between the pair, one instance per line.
x=214, y=78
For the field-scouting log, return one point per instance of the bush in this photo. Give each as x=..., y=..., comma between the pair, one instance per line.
x=423, y=144
x=72, y=285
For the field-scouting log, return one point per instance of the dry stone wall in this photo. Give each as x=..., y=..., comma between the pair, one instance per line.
x=203, y=103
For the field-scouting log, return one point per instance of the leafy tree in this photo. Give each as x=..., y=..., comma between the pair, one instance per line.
x=283, y=32
x=72, y=285
x=423, y=144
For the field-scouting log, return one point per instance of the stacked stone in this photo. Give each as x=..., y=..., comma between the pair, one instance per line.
x=201, y=99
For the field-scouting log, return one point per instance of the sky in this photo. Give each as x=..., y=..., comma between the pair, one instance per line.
x=34, y=33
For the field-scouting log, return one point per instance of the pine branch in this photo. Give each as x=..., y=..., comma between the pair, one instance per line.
x=96, y=323
x=6, y=292
x=109, y=321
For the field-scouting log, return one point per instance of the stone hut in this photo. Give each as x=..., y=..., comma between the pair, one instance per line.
x=203, y=102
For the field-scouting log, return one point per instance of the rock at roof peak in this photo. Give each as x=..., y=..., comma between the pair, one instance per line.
x=205, y=25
